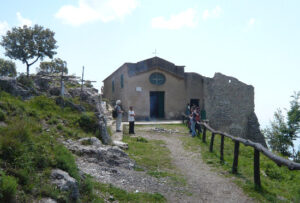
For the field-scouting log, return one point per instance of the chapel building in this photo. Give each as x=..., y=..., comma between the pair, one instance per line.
x=159, y=89
x=156, y=88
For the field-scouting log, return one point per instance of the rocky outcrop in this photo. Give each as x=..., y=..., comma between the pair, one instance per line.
x=46, y=200
x=93, y=151
x=10, y=85
x=120, y=144
x=65, y=182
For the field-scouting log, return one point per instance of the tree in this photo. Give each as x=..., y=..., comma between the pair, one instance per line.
x=282, y=133
x=7, y=68
x=55, y=66
x=29, y=44
x=294, y=115
x=277, y=135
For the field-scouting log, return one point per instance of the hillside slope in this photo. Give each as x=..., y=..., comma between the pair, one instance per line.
x=35, y=166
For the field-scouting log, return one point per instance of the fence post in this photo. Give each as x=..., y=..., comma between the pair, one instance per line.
x=256, y=169
x=222, y=149
x=236, y=157
x=212, y=142
x=204, y=134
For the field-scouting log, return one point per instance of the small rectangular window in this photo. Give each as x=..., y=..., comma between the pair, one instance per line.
x=122, y=81
x=113, y=86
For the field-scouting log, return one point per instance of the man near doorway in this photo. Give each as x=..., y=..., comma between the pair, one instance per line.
x=119, y=115
x=131, y=119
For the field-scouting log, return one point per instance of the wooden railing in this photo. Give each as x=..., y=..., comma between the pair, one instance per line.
x=280, y=161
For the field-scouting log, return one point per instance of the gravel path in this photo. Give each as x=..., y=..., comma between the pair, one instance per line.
x=204, y=184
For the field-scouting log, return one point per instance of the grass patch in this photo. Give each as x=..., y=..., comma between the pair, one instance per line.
x=278, y=183
x=29, y=151
x=149, y=154
x=119, y=195
x=152, y=156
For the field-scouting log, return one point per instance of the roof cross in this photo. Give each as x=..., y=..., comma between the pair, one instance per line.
x=155, y=52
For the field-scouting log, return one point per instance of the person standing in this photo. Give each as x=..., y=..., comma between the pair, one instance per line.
x=193, y=121
x=119, y=115
x=131, y=119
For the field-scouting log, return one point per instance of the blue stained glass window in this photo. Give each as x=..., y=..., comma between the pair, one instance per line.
x=157, y=78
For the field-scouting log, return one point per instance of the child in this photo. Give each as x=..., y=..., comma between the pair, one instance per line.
x=131, y=119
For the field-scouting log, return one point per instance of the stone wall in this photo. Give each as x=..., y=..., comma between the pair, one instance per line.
x=229, y=106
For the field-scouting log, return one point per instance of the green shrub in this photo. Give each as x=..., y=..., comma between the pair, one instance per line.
x=274, y=172
x=87, y=186
x=10, y=148
x=88, y=122
x=8, y=187
x=68, y=132
x=65, y=161
x=23, y=176
x=41, y=157
x=32, y=113
x=141, y=139
x=24, y=80
x=44, y=103
x=52, y=121
x=2, y=115
x=59, y=126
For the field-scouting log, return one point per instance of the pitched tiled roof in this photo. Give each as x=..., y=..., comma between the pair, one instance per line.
x=148, y=64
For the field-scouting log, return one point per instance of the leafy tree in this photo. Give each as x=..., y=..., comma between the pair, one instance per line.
x=277, y=135
x=55, y=66
x=294, y=115
x=29, y=44
x=282, y=133
x=7, y=68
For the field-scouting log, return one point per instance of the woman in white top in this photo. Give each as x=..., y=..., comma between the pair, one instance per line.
x=131, y=116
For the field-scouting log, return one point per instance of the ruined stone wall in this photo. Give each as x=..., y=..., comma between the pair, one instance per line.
x=229, y=106
x=194, y=88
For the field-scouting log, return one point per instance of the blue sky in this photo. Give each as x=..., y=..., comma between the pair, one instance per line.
x=257, y=42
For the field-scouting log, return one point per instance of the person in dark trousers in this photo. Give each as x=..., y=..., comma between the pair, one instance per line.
x=131, y=120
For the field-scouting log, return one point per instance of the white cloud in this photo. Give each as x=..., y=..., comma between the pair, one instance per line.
x=214, y=13
x=186, y=18
x=4, y=27
x=23, y=21
x=251, y=21
x=250, y=24
x=95, y=10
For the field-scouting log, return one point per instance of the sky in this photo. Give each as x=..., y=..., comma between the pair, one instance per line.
x=256, y=41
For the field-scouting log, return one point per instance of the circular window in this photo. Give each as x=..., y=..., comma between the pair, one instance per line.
x=157, y=79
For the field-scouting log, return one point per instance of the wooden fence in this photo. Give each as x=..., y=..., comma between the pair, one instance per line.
x=280, y=161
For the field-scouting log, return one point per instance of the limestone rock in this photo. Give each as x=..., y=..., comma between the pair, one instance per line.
x=94, y=152
x=65, y=182
x=47, y=200
x=2, y=124
x=10, y=85
x=120, y=144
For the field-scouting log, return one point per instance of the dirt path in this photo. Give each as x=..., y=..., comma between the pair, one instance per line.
x=204, y=184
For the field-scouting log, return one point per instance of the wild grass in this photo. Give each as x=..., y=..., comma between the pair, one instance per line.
x=29, y=150
x=279, y=184
x=152, y=156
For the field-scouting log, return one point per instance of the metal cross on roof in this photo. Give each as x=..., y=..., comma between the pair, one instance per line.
x=155, y=52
